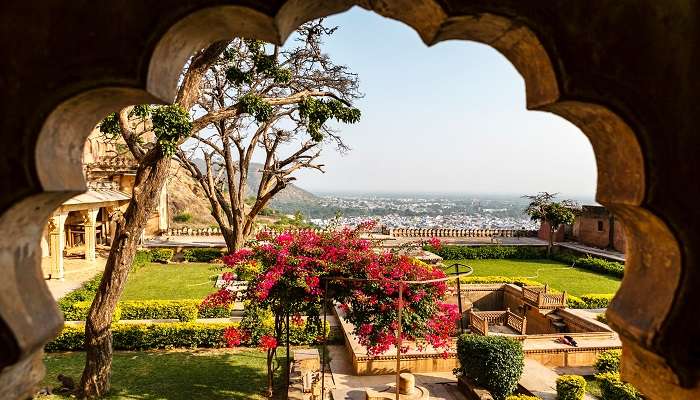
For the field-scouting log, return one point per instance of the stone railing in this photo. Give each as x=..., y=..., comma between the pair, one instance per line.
x=456, y=233
x=480, y=321
x=540, y=297
x=186, y=231
x=106, y=162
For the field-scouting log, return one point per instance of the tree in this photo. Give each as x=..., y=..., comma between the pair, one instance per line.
x=151, y=135
x=544, y=209
x=278, y=101
x=294, y=270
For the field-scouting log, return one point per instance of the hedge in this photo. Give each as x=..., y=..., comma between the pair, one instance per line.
x=499, y=279
x=202, y=254
x=599, y=265
x=571, y=387
x=128, y=336
x=454, y=252
x=612, y=387
x=161, y=255
x=522, y=397
x=494, y=362
x=589, y=301
x=608, y=361
x=183, y=310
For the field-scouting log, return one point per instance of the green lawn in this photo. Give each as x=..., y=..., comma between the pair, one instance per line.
x=171, y=281
x=560, y=276
x=172, y=375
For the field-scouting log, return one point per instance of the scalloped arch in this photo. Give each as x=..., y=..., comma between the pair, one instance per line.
x=621, y=166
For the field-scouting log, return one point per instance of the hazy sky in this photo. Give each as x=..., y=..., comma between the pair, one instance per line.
x=449, y=118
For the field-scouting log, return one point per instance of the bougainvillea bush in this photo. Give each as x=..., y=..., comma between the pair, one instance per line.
x=294, y=270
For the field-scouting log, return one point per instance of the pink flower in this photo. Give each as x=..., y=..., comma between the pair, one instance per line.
x=435, y=243
x=268, y=342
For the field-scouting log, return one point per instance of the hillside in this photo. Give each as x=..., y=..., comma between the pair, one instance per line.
x=185, y=195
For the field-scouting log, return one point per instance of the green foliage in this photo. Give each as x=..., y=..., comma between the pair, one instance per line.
x=500, y=279
x=141, y=259
x=612, y=387
x=606, y=267
x=608, y=361
x=78, y=311
x=494, y=362
x=130, y=336
x=522, y=397
x=261, y=65
x=182, y=217
x=161, y=255
x=109, y=126
x=127, y=336
x=141, y=111
x=571, y=387
x=201, y=254
x=602, y=318
x=455, y=252
x=543, y=208
x=84, y=293
x=183, y=310
x=597, y=300
x=170, y=124
x=255, y=105
x=315, y=113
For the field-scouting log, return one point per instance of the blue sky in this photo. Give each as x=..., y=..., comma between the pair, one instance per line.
x=449, y=118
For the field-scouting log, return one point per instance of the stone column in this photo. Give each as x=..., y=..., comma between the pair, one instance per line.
x=89, y=222
x=57, y=241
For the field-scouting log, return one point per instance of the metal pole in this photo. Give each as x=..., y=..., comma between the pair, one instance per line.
x=459, y=300
x=323, y=351
x=398, y=341
x=286, y=396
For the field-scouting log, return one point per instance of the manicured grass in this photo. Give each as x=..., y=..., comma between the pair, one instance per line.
x=172, y=375
x=560, y=276
x=171, y=281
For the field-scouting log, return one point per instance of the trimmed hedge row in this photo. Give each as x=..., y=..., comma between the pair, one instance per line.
x=571, y=387
x=522, y=397
x=454, y=252
x=599, y=265
x=183, y=310
x=494, y=362
x=202, y=254
x=127, y=336
x=589, y=301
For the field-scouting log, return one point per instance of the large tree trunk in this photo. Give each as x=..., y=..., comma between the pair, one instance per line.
x=150, y=179
x=552, y=231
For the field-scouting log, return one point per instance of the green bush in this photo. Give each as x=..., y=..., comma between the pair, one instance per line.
x=608, y=361
x=606, y=267
x=141, y=259
x=522, y=397
x=182, y=217
x=161, y=255
x=215, y=311
x=183, y=310
x=602, y=318
x=201, y=254
x=571, y=387
x=455, y=252
x=78, y=311
x=494, y=362
x=612, y=387
x=500, y=279
x=130, y=336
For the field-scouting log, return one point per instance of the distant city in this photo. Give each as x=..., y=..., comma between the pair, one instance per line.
x=420, y=210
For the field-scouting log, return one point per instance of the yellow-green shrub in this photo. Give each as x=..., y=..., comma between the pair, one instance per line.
x=571, y=387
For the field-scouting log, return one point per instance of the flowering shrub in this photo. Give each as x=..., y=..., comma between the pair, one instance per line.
x=294, y=270
x=233, y=336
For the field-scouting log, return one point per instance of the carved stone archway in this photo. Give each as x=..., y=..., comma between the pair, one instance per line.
x=619, y=70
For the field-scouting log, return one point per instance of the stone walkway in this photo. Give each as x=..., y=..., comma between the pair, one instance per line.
x=609, y=254
x=441, y=385
x=542, y=381
x=76, y=271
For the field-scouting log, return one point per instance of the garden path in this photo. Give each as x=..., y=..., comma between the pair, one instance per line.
x=77, y=271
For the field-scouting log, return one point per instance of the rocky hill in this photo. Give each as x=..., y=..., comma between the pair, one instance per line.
x=186, y=196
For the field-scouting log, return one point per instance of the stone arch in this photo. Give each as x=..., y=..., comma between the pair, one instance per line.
x=621, y=170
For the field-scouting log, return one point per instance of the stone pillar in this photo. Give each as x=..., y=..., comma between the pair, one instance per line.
x=89, y=222
x=57, y=241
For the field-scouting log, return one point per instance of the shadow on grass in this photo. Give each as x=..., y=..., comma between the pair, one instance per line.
x=174, y=375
